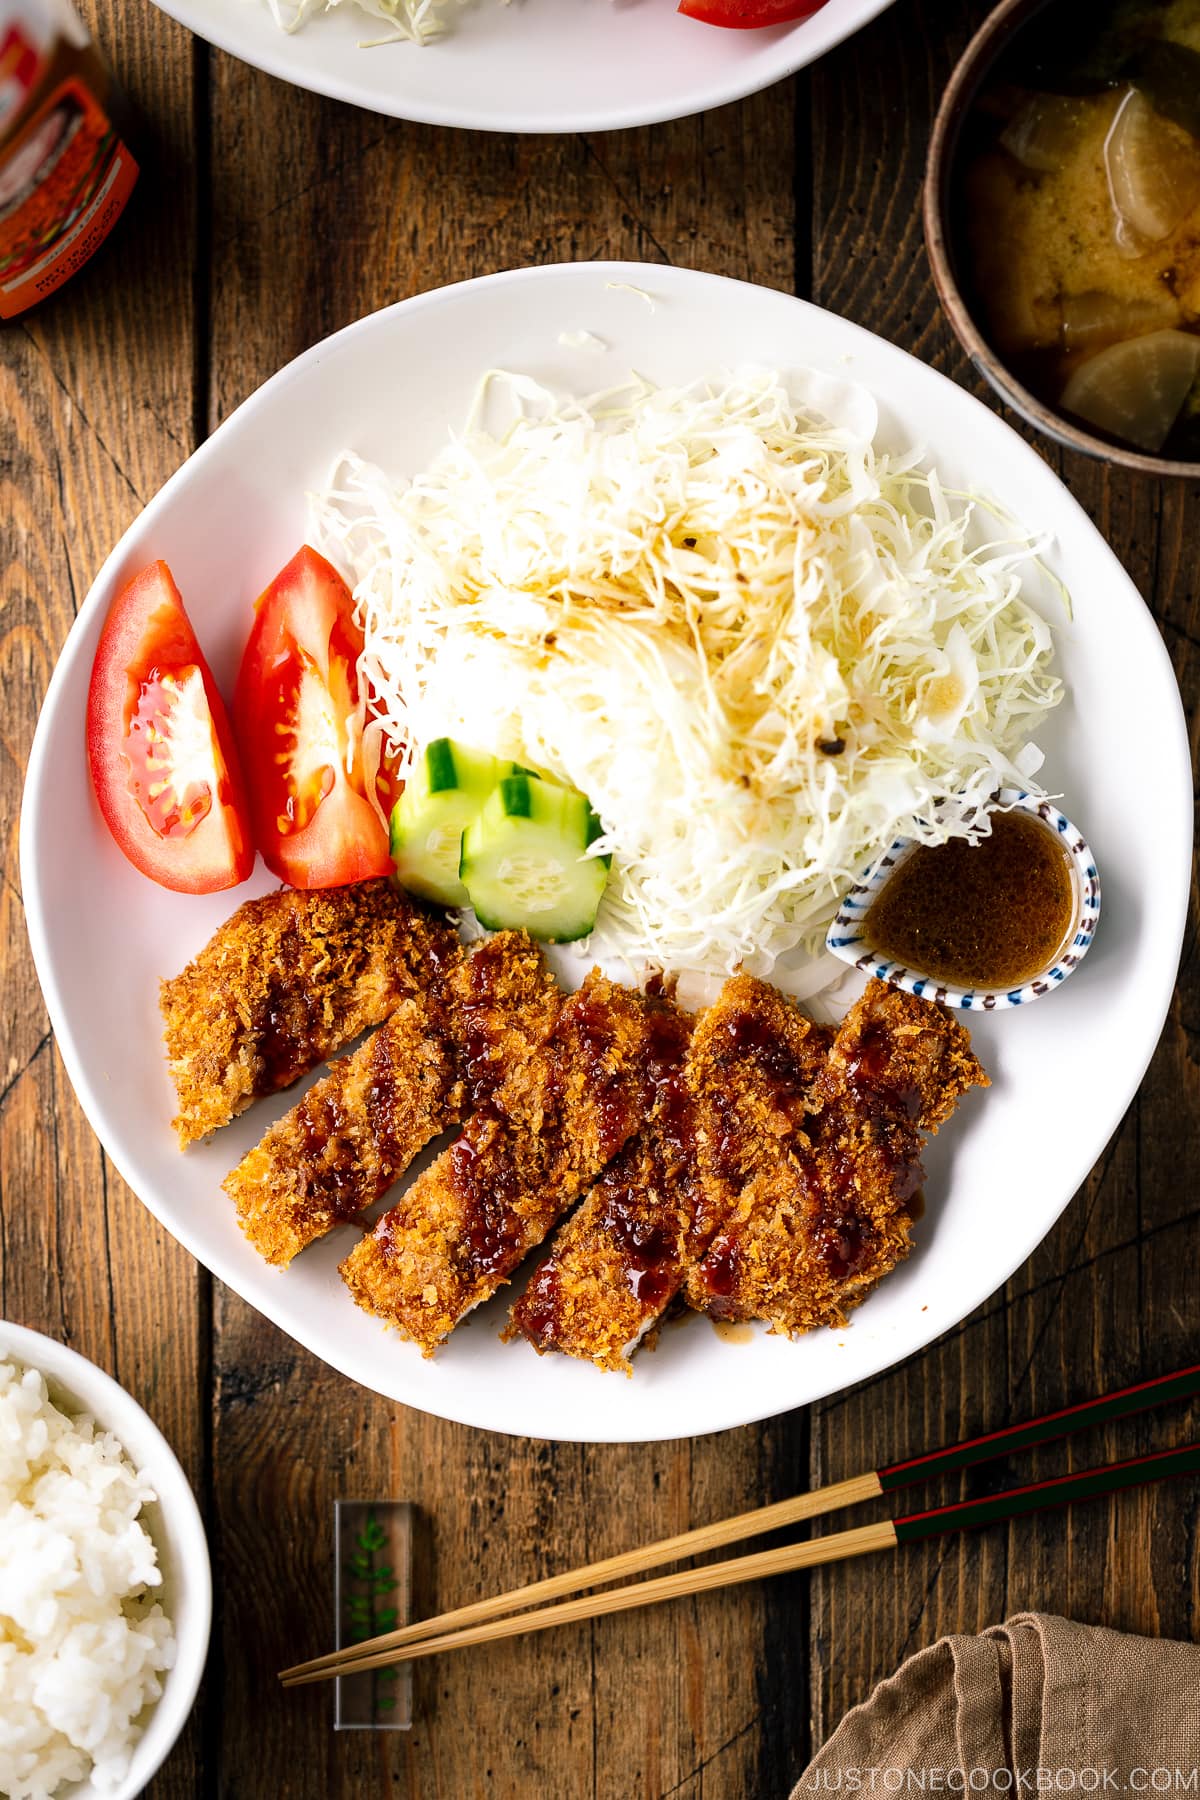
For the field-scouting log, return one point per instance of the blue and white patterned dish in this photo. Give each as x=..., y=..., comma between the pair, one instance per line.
x=845, y=937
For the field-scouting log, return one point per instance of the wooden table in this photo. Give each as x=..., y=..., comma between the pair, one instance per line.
x=267, y=219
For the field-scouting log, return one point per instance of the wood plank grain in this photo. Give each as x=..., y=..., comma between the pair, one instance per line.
x=667, y=1704
x=96, y=410
x=1101, y=1299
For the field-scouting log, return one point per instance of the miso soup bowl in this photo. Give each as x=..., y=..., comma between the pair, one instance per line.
x=990, y=41
x=846, y=938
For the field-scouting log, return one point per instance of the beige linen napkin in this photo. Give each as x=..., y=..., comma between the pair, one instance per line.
x=1038, y=1705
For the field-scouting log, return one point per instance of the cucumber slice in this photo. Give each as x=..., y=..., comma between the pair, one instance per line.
x=443, y=794
x=524, y=863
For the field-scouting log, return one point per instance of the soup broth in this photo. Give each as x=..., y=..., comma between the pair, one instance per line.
x=1077, y=203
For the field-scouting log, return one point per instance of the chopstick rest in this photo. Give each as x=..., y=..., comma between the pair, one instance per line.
x=372, y=1593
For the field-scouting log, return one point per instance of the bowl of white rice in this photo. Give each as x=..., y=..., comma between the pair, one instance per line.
x=105, y=1584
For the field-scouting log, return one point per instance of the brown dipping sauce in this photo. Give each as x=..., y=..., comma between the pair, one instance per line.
x=991, y=914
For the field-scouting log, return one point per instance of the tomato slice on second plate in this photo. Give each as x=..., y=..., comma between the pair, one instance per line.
x=161, y=753
x=748, y=15
x=298, y=714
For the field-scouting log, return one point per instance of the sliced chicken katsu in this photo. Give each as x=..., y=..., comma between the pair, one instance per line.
x=617, y=1264
x=619, y=1260
x=287, y=981
x=826, y=1209
x=356, y=1131
x=754, y=1066
x=561, y=1112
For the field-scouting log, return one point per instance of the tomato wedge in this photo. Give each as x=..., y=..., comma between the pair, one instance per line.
x=298, y=715
x=161, y=752
x=747, y=15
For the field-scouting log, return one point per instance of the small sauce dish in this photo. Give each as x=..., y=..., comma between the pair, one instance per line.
x=1035, y=893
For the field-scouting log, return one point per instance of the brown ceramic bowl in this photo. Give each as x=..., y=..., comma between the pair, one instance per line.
x=976, y=63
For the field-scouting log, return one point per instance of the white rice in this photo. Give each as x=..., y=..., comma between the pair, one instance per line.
x=82, y=1645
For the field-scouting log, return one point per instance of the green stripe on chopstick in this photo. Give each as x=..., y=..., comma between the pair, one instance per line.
x=1063, y=1490
x=1011, y=1438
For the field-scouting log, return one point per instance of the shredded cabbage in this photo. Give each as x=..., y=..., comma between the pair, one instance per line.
x=411, y=21
x=761, y=646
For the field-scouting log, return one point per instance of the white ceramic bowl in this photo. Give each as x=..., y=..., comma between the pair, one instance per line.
x=534, y=65
x=173, y=1522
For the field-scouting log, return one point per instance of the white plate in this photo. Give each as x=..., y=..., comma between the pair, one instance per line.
x=534, y=65
x=1063, y=1072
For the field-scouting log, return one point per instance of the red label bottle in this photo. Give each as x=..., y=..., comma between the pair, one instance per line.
x=66, y=173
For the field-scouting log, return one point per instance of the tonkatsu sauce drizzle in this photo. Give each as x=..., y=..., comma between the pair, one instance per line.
x=991, y=914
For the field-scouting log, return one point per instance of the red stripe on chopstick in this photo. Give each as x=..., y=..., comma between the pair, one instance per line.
x=1059, y=1490
x=1044, y=1429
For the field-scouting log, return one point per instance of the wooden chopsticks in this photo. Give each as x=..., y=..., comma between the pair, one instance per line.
x=480, y=1622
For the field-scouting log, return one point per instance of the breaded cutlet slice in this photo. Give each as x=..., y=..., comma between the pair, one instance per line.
x=562, y=1111
x=619, y=1260
x=357, y=1130
x=754, y=1066
x=900, y=1057
x=826, y=1213
x=284, y=983
x=742, y=1078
